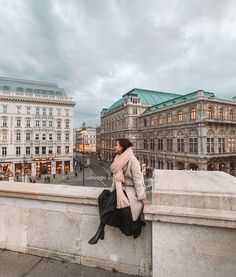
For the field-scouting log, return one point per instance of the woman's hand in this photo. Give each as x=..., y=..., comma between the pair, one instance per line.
x=145, y=201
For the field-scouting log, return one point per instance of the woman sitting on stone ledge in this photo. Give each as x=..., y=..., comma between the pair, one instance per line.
x=122, y=204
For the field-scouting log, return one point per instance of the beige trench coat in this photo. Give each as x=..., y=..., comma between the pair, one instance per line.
x=134, y=186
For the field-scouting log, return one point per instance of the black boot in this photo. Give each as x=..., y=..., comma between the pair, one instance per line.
x=99, y=235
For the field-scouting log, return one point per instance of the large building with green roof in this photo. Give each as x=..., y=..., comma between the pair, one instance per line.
x=195, y=130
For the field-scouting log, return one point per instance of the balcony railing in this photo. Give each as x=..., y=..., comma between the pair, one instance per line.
x=32, y=95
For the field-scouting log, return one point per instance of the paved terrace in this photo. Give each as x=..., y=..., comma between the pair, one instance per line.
x=13, y=264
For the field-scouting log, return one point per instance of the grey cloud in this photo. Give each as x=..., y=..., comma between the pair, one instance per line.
x=98, y=50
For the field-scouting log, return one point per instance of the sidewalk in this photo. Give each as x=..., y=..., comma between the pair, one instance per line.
x=13, y=264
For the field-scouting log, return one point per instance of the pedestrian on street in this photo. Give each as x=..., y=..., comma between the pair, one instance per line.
x=45, y=179
x=121, y=206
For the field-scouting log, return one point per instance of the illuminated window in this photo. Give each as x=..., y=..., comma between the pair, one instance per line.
x=169, y=118
x=180, y=116
x=193, y=113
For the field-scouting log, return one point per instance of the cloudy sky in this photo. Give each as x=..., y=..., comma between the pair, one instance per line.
x=100, y=49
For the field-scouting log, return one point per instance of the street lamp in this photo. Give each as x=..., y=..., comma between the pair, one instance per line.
x=83, y=131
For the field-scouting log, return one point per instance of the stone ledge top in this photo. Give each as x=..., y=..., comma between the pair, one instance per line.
x=50, y=192
x=216, y=182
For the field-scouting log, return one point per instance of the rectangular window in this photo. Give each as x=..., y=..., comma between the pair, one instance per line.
x=180, y=145
x=36, y=150
x=193, y=145
x=152, y=121
x=152, y=144
x=145, y=122
x=4, y=109
x=27, y=136
x=50, y=136
x=58, y=150
x=37, y=136
x=44, y=150
x=231, y=145
x=18, y=123
x=59, y=124
x=67, y=112
x=28, y=110
x=160, y=120
x=67, y=149
x=44, y=123
x=169, y=143
x=43, y=136
x=221, y=145
x=50, y=123
x=50, y=111
x=59, y=112
x=18, y=109
x=27, y=150
x=160, y=144
x=17, y=150
x=67, y=124
x=169, y=118
x=44, y=111
x=193, y=113
x=59, y=136
x=4, y=151
x=210, y=145
x=28, y=121
x=50, y=152
x=145, y=144
x=4, y=136
x=67, y=138
x=18, y=136
x=4, y=122
x=37, y=111
x=180, y=116
x=37, y=123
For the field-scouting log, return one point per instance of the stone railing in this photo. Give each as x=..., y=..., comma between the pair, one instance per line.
x=57, y=221
x=190, y=229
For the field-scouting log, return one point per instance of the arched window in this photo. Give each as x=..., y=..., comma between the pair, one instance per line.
x=160, y=120
x=231, y=115
x=193, y=113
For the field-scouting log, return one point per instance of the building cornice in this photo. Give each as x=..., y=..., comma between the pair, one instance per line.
x=38, y=100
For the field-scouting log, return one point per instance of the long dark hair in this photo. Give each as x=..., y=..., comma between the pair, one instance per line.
x=124, y=143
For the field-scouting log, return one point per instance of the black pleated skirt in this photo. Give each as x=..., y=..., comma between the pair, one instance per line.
x=119, y=218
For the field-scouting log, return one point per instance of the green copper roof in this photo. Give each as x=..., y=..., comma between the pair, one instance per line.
x=151, y=97
x=147, y=97
x=179, y=100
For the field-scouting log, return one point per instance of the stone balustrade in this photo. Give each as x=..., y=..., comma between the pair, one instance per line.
x=190, y=229
x=58, y=220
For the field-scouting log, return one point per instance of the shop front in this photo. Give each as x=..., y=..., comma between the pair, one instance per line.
x=67, y=166
x=43, y=167
x=58, y=167
x=5, y=171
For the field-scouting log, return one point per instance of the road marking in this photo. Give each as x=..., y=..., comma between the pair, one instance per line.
x=98, y=178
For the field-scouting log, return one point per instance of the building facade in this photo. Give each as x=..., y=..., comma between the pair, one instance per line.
x=192, y=131
x=86, y=139
x=36, y=129
x=122, y=118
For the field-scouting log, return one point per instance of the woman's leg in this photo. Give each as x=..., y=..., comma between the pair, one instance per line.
x=99, y=234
